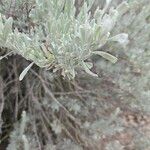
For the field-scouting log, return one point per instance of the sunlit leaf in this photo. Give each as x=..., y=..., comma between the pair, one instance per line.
x=24, y=72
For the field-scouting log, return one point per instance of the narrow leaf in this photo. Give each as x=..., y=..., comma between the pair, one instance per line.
x=108, y=2
x=7, y=28
x=24, y=72
x=123, y=8
x=5, y=56
x=87, y=70
x=107, y=56
x=121, y=38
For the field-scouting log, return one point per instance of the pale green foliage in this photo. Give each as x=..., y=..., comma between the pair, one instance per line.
x=82, y=113
x=69, y=40
x=73, y=39
x=18, y=138
x=23, y=136
x=20, y=43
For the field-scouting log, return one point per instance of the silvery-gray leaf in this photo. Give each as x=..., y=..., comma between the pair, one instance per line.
x=87, y=70
x=106, y=55
x=24, y=72
x=121, y=38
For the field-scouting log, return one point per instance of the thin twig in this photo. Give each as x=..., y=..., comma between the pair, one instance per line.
x=1, y=100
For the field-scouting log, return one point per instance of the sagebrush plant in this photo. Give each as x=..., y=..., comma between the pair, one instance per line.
x=60, y=38
x=110, y=112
